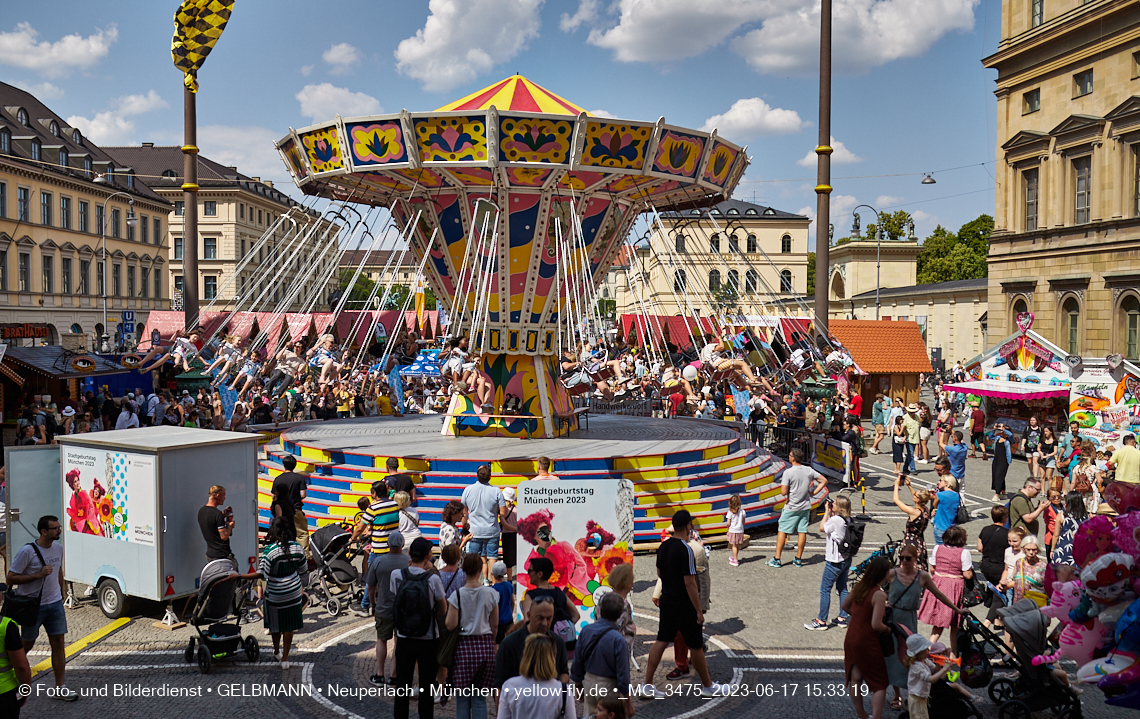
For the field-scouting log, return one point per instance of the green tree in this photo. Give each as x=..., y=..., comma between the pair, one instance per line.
x=396, y=298
x=948, y=256
x=811, y=274
x=894, y=226
x=359, y=291
x=726, y=297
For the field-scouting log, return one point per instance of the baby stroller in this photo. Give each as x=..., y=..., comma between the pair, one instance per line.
x=944, y=702
x=1036, y=688
x=218, y=600
x=337, y=583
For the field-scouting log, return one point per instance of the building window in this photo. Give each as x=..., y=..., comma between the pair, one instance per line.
x=1131, y=308
x=116, y=279
x=786, y=281
x=1135, y=184
x=242, y=249
x=3, y=199
x=22, y=117
x=36, y=151
x=77, y=137
x=53, y=128
x=157, y=231
x=130, y=180
x=144, y=281
x=178, y=248
x=65, y=275
x=100, y=277
x=714, y=242
x=100, y=219
x=734, y=281
x=130, y=282
x=210, y=208
x=211, y=287
x=145, y=227
x=1082, y=168
x=714, y=280
x=169, y=173
x=733, y=244
x=1030, y=179
x=63, y=157
x=87, y=165
x=1071, y=319
x=4, y=270
x=1036, y=13
x=5, y=142
x=680, y=243
x=751, y=243
x=23, y=202
x=157, y=284
x=84, y=277
x=49, y=275
x=786, y=244
x=116, y=216
x=1019, y=306
x=241, y=211
x=259, y=217
x=751, y=282
x=1031, y=101
x=24, y=272
x=680, y=281
x=45, y=209
x=84, y=216
x=179, y=208
x=210, y=248
x=65, y=213
x=1082, y=83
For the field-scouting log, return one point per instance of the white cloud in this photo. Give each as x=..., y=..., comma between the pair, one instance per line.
x=807, y=212
x=887, y=201
x=462, y=39
x=841, y=206
x=249, y=148
x=322, y=102
x=840, y=155
x=602, y=113
x=867, y=33
x=924, y=222
x=115, y=127
x=43, y=91
x=752, y=117
x=342, y=57
x=587, y=13
x=306, y=70
x=663, y=30
x=20, y=49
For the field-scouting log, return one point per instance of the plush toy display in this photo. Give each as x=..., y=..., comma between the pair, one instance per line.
x=1077, y=641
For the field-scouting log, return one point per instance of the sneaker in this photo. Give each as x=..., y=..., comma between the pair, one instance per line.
x=816, y=626
x=841, y=622
x=922, y=461
x=995, y=498
x=284, y=665
x=734, y=562
x=773, y=562
x=677, y=674
x=64, y=694
x=376, y=680
x=715, y=690
x=798, y=562
x=362, y=612
x=648, y=691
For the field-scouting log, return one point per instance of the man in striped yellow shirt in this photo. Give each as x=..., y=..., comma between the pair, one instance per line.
x=381, y=517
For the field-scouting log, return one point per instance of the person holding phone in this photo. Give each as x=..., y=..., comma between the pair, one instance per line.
x=217, y=525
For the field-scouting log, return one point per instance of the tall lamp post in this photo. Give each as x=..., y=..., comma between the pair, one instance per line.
x=104, y=343
x=823, y=167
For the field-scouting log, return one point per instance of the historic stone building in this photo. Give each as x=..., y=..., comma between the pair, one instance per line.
x=1066, y=244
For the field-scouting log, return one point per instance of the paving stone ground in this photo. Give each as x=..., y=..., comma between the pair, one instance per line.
x=755, y=623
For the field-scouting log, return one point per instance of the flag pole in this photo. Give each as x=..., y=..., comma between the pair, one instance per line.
x=190, y=205
x=823, y=172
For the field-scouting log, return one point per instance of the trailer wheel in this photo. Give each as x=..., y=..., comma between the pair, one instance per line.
x=188, y=655
x=112, y=601
x=204, y=659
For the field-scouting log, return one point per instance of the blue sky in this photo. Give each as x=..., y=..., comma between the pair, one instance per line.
x=910, y=95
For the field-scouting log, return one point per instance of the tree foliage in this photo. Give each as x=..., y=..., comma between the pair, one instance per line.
x=362, y=289
x=947, y=256
x=894, y=226
x=811, y=274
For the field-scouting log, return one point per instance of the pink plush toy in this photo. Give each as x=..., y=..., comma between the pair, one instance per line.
x=1077, y=641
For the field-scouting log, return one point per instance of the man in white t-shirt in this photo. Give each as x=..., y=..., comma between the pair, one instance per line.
x=32, y=569
x=485, y=507
x=797, y=489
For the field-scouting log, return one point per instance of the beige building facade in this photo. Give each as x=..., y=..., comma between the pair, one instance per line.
x=234, y=213
x=736, y=256
x=1066, y=243
x=853, y=268
x=60, y=198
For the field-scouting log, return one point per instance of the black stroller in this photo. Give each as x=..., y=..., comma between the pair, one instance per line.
x=1036, y=688
x=337, y=583
x=944, y=702
x=219, y=600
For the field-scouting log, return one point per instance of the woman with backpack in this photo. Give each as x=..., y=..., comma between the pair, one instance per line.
x=474, y=609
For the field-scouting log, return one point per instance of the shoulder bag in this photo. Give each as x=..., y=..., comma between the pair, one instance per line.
x=446, y=655
x=963, y=515
x=25, y=609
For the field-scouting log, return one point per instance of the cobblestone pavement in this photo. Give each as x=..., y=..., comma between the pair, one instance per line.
x=755, y=624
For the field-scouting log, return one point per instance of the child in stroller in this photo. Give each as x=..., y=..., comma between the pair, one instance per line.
x=338, y=583
x=218, y=600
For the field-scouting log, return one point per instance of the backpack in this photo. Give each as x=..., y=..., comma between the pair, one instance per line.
x=50, y=426
x=413, y=610
x=852, y=538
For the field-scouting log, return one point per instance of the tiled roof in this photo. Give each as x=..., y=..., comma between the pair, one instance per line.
x=378, y=258
x=883, y=346
x=951, y=286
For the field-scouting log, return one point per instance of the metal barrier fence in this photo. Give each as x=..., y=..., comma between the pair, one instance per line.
x=782, y=440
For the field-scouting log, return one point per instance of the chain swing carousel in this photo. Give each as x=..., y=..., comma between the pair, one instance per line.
x=516, y=202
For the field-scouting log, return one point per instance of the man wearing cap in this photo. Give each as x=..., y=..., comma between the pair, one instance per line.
x=380, y=596
x=680, y=608
x=418, y=653
x=912, y=425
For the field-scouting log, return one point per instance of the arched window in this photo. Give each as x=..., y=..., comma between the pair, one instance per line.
x=77, y=137
x=786, y=244
x=751, y=282
x=1131, y=309
x=680, y=281
x=169, y=173
x=76, y=329
x=35, y=149
x=1071, y=322
x=751, y=241
x=751, y=211
x=22, y=117
x=680, y=243
x=1019, y=306
x=714, y=242
x=786, y=281
x=734, y=281
x=733, y=212
x=714, y=280
x=733, y=244
x=53, y=128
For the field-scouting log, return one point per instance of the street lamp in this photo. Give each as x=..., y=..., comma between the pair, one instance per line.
x=131, y=222
x=878, y=247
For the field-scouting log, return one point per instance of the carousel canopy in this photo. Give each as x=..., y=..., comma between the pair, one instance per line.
x=516, y=94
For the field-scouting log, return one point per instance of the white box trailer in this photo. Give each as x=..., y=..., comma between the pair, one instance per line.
x=130, y=501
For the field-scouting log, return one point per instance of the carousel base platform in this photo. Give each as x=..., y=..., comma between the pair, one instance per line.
x=673, y=464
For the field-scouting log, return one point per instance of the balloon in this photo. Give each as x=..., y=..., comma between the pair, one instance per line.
x=1092, y=672
x=1122, y=496
x=1124, y=536
x=1093, y=539
x=1077, y=641
x=689, y=373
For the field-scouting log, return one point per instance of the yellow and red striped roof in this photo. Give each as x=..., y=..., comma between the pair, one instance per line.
x=516, y=94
